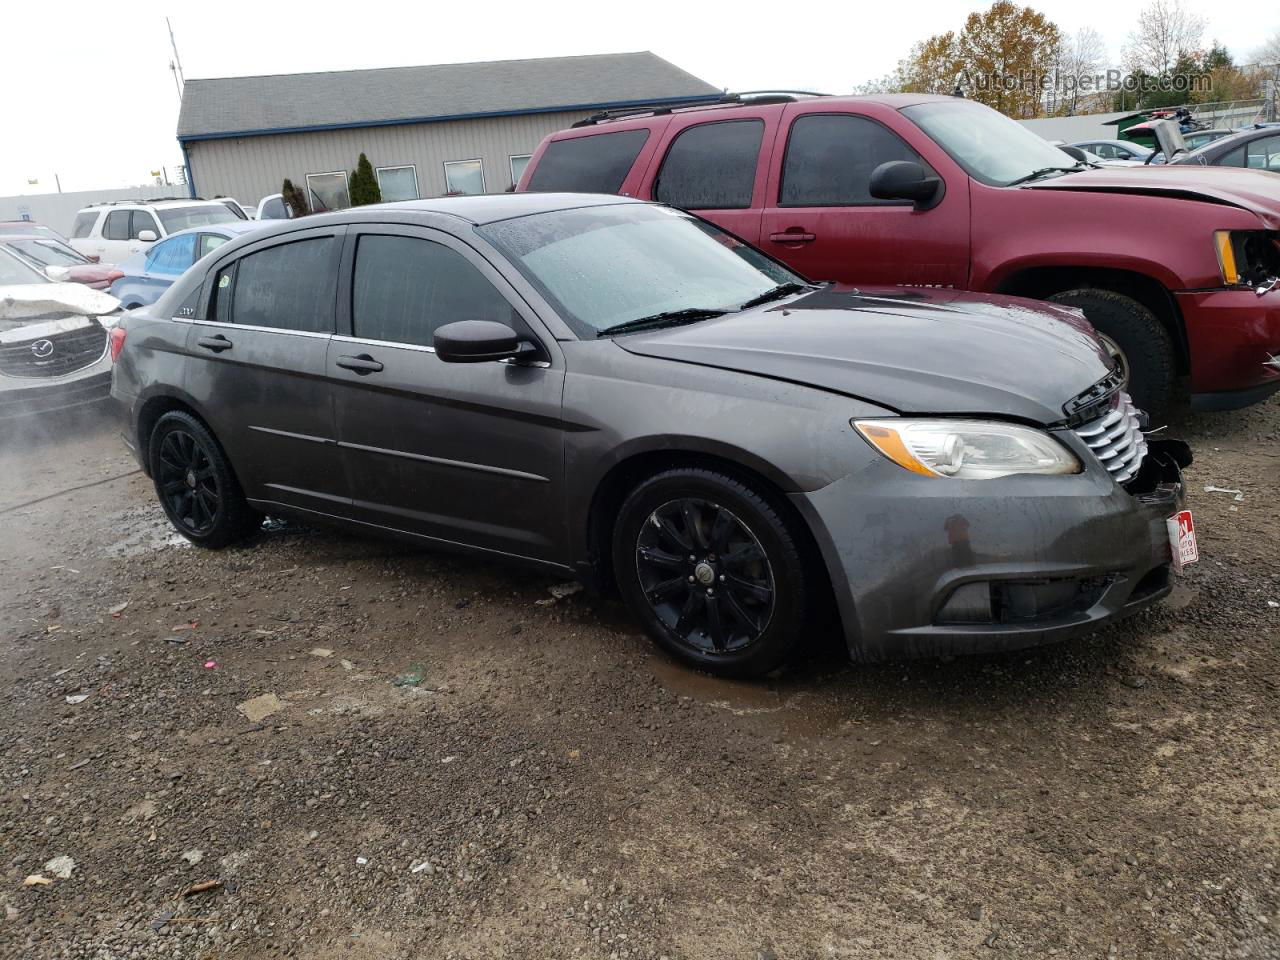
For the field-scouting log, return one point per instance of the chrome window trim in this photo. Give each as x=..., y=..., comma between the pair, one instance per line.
x=364, y=341
x=247, y=326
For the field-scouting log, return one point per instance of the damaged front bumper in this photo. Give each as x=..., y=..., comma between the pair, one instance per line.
x=923, y=567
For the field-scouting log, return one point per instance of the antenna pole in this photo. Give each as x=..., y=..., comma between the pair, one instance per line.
x=176, y=66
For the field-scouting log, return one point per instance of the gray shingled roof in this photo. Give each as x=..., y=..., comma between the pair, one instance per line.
x=398, y=94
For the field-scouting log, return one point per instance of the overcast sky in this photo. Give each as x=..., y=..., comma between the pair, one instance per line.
x=88, y=93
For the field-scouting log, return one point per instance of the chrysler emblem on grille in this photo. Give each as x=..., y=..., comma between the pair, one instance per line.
x=41, y=349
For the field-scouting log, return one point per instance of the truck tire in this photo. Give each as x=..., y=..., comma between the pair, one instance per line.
x=1136, y=338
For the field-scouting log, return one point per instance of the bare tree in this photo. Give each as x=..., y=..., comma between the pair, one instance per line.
x=1166, y=31
x=1269, y=52
x=1083, y=55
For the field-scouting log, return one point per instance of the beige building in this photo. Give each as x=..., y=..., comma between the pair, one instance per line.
x=428, y=131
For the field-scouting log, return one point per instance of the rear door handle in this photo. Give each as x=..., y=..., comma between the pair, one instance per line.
x=795, y=235
x=216, y=344
x=362, y=364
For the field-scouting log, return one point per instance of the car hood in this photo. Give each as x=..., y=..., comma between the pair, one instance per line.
x=40, y=309
x=1257, y=191
x=911, y=350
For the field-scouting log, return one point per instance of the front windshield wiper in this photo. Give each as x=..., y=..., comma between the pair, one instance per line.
x=670, y=318
x=774, y=293
x=1043, y=172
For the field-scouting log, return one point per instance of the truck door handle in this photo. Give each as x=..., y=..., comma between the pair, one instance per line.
x=792, y=235
x=216, y=344
x=362, y=364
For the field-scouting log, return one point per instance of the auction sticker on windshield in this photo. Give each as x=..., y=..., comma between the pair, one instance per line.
x=1182, y=539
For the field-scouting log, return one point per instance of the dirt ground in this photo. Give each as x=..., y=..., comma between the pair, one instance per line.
x=449, y=767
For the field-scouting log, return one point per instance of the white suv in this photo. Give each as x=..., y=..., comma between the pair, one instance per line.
x=113, y=232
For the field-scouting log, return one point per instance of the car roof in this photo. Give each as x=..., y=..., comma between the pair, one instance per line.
x=165, y=203
x=491, y=207
x=232, y=227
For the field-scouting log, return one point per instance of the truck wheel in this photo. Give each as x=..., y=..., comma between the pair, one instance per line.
x=713, y=571
x=1137, y=340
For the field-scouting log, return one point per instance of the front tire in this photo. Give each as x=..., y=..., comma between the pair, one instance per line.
x=195, y=484
x=713, y=571
x=1137, y=340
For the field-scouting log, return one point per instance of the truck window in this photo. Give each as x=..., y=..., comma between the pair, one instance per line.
x=592, y=164
x=830, y=157
x=711, y=166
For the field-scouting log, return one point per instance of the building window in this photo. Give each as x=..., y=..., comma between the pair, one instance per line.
x=327, y=191
x=463, y=177
x=517, y=167
x=398, y=183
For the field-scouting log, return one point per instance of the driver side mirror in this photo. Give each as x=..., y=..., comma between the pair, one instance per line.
x=478, y=341
x=147, y=236
x=906, y=180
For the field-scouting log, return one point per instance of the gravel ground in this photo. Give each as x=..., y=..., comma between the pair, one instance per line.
x=319, y=746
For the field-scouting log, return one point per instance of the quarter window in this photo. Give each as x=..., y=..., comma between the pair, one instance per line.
x=830, y=158
x=290, y=286
x=1263, y=154
x=592, y=164
x=117, y=225
x=464, y=177
x=173, y=255
x=404, y=288
x=84, y=224
x=711, y=166
x=273, y=209
x=208, y=243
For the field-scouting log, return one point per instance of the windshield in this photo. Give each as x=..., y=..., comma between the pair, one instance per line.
x=180, y=218
x=992, y=148
x=13, y=270
x=48, y=253
x=609, y=265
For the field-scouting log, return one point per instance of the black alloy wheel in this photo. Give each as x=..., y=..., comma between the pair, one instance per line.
x=188, y=484
x=712, y=566
x=195, y=483
x=705, y=575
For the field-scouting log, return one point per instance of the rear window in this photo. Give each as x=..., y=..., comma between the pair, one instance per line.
x=180, y=218
x=84, y=224
x=591, y=164
x=117, y=225
x=711, y=166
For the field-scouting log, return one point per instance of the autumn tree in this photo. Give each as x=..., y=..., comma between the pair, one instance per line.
x=933, y=66
x=1079, y=56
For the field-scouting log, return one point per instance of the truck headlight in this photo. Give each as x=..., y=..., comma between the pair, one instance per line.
x=967, y=449
x=1247, y=257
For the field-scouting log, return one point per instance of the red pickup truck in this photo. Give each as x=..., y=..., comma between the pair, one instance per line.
x=1175, y=266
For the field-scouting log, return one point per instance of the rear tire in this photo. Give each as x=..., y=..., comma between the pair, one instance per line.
x=713, y=571
x=195, y=483
x=1144, y=345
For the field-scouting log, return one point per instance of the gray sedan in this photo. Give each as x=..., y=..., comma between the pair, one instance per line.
x=623, y=393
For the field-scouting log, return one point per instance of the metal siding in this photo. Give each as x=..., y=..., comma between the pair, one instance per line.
x=250, y=168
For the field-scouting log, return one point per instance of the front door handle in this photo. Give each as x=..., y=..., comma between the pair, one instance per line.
x=362, y=364
x=792, y=235
x=216, y=344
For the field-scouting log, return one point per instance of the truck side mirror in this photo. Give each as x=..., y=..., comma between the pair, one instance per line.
x=906, y=180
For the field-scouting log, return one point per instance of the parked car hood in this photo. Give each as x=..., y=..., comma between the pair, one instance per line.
x=1257, y=191
x=40, y=309
x=912, y=350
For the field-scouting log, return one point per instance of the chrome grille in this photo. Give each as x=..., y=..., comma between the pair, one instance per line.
x=1116, y=438
x=55, y=355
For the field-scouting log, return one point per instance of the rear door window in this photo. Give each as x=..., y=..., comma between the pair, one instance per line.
x=288, y=287
x=84, y=224
x=406, y=287
x=117, y=225
x=830, y=158
x=591, y=164
x=711, y=166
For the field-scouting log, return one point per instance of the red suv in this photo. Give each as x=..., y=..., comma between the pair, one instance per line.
x=1176, y=266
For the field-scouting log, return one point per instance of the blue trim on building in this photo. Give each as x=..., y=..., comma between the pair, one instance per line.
x=318, y=128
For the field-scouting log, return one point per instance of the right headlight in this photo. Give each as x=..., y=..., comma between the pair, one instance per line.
x=967, y=449
x=1247, y=257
